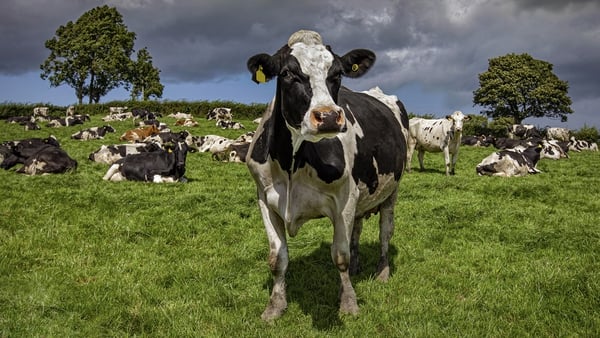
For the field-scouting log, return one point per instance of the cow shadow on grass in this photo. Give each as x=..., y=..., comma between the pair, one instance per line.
x=313, y=282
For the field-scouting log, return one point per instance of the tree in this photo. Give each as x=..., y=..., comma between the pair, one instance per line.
x=144, y=77
x=520, y=86
x=91, y=55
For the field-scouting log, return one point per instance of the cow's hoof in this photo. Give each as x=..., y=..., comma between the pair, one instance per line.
x=274, y=310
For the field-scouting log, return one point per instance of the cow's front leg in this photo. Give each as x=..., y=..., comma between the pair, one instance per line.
x=278, y=262
x=340, y=253
x=447, y=161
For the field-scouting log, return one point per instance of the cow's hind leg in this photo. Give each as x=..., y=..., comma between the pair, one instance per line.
x=386, y=230
x=354, y=244
x=421, y=156
x=278, y=262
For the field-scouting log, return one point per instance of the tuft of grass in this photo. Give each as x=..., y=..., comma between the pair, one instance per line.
x=471, y=256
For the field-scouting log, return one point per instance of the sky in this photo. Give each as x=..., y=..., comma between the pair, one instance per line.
x=429, y=52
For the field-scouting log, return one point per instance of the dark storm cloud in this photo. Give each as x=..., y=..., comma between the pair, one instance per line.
x=439, y=45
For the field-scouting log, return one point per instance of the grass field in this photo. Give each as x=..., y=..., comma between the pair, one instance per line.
x=471, y=256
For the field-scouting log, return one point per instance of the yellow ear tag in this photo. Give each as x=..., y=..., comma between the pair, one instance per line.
x=260, y=76
x=170, y=150
x=355, y=67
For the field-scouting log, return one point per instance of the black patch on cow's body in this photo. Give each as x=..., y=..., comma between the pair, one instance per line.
x=326, y=157
x=383, y=143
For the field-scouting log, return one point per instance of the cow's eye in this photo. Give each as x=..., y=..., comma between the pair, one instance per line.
x=286, y=74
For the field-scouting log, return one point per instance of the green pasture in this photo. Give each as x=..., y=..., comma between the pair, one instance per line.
x=471, y=256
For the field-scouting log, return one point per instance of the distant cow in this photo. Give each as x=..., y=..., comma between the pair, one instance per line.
x=57, y=122
x=117, y=110
x=40, y=112
x=165, y=165
x=229, y=125
x=235, y=152
x=93, y=133
x=19, y=151
x=139, y=134
x=117, y=116
x=212, y=143
x=30, y=125
x=112, y=153
x=511, y=162
x=556, y=133
x=186, y=123
x=48, y=160
x=579, y=145
x=180, y=116
x=169, y=137
x=220, y=114
x=523, y=131
x=438, y=135
x=322, y=150
x=476, y=141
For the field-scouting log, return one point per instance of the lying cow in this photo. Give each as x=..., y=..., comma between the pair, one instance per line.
x=165, y=165
x=511, y=162
x=579, y=145
x=438, y=135
x=322, y=150
x=19, y=151
x=220, y=114
x=117, y=117
x=48, y=160
x=139, y=134
x=112, y=153
x=523, y=131
x=93, y=133
x=557, y=133
x=229, y=125
x=170, y=137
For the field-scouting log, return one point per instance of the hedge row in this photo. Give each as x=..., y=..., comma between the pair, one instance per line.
x=196, y=108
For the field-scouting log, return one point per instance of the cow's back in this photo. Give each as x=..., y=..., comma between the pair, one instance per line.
x=429, y=135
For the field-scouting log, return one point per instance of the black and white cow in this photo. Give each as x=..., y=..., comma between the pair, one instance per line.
x=436, y=135
x=19, y=151
x=161, y=166
x=93, y=133
x=48, y=160
x=511, y=162
x=476, y=141
x=220, y=113
x=322, y=150
x=112, y=153
x=579, y=145
x=557, y=133
x=523, y=131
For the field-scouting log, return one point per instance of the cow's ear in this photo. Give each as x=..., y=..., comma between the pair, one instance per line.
x=262, y=67
x=449, y=117
x=357, y=62
x=467, y=118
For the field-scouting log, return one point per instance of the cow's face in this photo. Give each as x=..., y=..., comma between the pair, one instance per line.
x=308, y=81
x=457, y=119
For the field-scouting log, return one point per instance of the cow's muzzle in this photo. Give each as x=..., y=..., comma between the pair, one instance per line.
x=328, y=120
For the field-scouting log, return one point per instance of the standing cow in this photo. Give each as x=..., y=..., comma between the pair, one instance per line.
x=322, y=150
x=439, y=135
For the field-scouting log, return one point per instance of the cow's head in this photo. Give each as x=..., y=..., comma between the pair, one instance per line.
x=309, y=77
x=457, y=119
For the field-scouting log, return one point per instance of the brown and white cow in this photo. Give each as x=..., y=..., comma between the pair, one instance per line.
x=437, y=135
x=322, y=150
x=139, y=134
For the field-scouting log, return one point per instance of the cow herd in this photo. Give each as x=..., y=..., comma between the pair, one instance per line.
x=517, y=155
x=150, y=152
x=320, y=150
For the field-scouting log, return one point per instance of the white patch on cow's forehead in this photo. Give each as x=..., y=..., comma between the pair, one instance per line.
x=315, y=60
